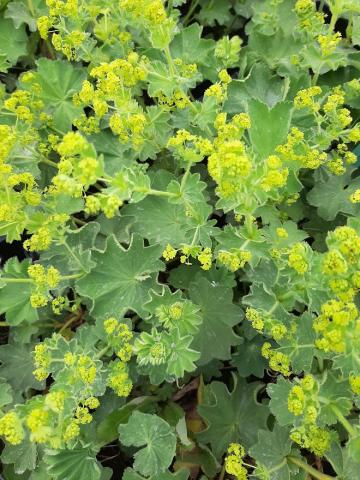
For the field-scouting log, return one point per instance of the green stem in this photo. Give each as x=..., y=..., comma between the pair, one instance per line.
x=222, y=473
x=320, y=363
x=31, y=8
x=68, y=323
x=310, y=470
x=170, y=61
x=185, y=177
x=78, y=221
x=344, y=422
x=72, y=277
x=16, y=280
x=160, y=193
x=190, y=12
x=102, y=352
x=49, y=162
x=52, y=55
x=336, y=10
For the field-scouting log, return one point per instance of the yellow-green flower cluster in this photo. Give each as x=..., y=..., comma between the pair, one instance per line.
x=43, y=280
x=78, y=167
x=302, y=399
x=296, y=149
x=263, y=322
x=11, y=428
x=234, y=259
x=8, y=140
x=178, y=99
x=18, y=192
x=112, y=77
x=203, y=255
x=328, y=43
x=118, y=379
x=227, y=50
x=151, y=11
x=229, y=164
x=255, y=319
x=169, y=253
x=355, y=383
x=66, y=22
x=337, y=326
x=129, y=128
x=106, y=202
x=219, y=89
x=275, y=175
x=298, y=258
x=278, y=361
x=119, y=337
x=53, y=227
x=42, y=361
x=313, y=438
x=305, y=98
x=234, y=461
x=188, y=147
x=311, y=21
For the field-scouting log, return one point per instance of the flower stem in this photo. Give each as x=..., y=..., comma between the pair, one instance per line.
x=16, y=280
x=190, y=12
x=72, y=277
x=310, y=470
x=344, y=422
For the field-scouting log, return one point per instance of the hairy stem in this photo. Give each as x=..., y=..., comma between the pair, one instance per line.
x=189, y=14
x=307, y=468
x=344, y=422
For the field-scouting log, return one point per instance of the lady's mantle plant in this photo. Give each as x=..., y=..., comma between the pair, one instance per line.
x=180, y=198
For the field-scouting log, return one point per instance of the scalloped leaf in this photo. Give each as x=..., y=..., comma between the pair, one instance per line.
x=157, y=439
x=121, y=279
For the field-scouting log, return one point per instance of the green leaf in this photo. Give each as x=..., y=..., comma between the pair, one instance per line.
x=345, y=467
x=269, y=127
x=260, y=85
x=188, y=322
x=216, y=336
x=107, y=429
x=15, y=297
x=182, y=357
x=300, y=346
x=213, y=12
x=17, y=366
x=13, y=41
x=157, y=438
x=23, y=456
x=331, y=194
x=159, y=221
x=334, y=393
x=190, y=47
x=271, y=451
x=76, y=464
x=279, y=393
x=5, y=393
x=21, y=13
x=247, y=358
x=234, y=416
x=121, y=279
x=73, y=254
x=355, y=30
x=160, y=80
x=59, y=81
x=130, y=474
x=353, y=448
